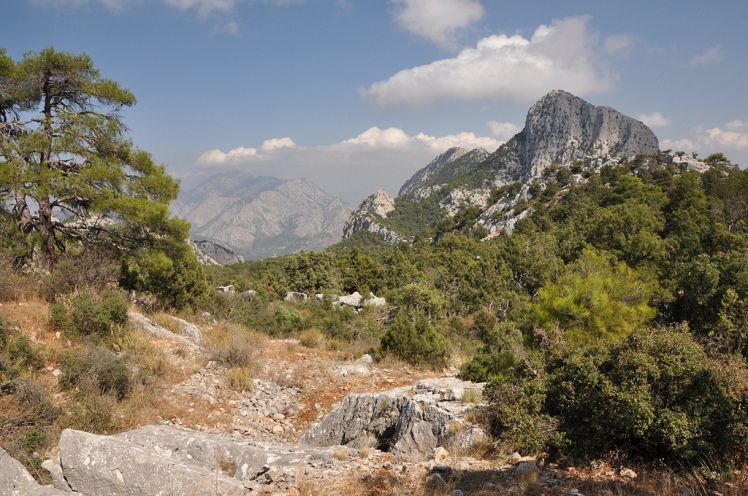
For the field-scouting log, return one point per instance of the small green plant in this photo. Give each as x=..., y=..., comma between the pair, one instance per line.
x=22, y=355
x=34, y=439
x=89, y=314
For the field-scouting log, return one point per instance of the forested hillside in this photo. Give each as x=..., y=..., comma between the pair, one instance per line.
x=612, y=319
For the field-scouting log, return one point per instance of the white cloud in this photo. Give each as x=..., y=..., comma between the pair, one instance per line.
x=502, y=130
x=730, y=139
x=437, y=20
x=618, y=44
x=680, y=145
x=204, y=7
x=563, y=55
x=655, y=119
x=350, y=169
x=710, y=56
x=734, y=137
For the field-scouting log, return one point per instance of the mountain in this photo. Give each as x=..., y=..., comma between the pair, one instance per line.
x=450, y=165
x=560, y=129
x=258, y=217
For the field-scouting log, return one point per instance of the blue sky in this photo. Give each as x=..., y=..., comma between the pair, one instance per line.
x=357, y=95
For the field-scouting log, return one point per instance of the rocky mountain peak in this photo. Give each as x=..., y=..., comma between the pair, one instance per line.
x=379, y=203
x=561, y=128
x=367, y=216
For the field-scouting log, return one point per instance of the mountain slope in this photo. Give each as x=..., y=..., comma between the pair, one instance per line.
x=560, y=128
x=450, y=165
x=263, y=216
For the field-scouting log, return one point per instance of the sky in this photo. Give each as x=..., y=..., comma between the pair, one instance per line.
x=357, y=95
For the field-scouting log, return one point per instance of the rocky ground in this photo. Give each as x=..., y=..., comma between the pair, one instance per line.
x=313, y=421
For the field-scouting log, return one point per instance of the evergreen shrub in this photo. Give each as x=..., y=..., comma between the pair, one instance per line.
x=417, y=342
x=655, y=395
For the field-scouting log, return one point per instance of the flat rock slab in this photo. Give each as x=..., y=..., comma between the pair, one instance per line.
x=166, y=460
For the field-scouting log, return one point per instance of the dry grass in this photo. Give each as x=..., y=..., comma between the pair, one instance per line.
x=166, y=321
x=239, y=378
x=228, y=467
x=234, y=346
x=472, y=396
x=311, y=338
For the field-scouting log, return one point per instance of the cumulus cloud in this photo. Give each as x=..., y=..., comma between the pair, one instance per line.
x=655, y=119
x=350, y=169
x=564, y=54
x=618, y=44
x=733, y=136
x=710, y=56
x=502, y=130
x=437, y=20
x=730, y=139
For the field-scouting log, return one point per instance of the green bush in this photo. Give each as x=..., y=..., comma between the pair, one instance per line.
x=17, y=353
x=654, y=396
x=23, y=354
x=93, y=269
x=95, y=315
x=34, y=439
x=418, y=343
x=96, y=371
x=594, y=298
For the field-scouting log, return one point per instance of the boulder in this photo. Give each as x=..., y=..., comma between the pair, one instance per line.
x=295, y=296
x=189, y=337
x=189, y=330
x=15, y=480
x=163, y=459
x=94, y=464
x=409, y=422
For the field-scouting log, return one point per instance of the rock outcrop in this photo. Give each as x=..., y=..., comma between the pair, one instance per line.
x=213, y=253
x=368, y=217
x=450, y=165
x=163, y=459
x=561, y=128
x=409, y=422
x=15, y=480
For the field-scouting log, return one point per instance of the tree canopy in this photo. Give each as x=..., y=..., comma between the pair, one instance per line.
x=68, y=172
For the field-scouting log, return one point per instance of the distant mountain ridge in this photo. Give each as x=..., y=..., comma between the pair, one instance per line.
x=560, y=128
x=260, y=216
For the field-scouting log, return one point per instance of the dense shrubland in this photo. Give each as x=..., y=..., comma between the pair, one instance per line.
x=612, y=321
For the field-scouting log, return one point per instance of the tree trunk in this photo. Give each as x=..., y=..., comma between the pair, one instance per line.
x=46, y=231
